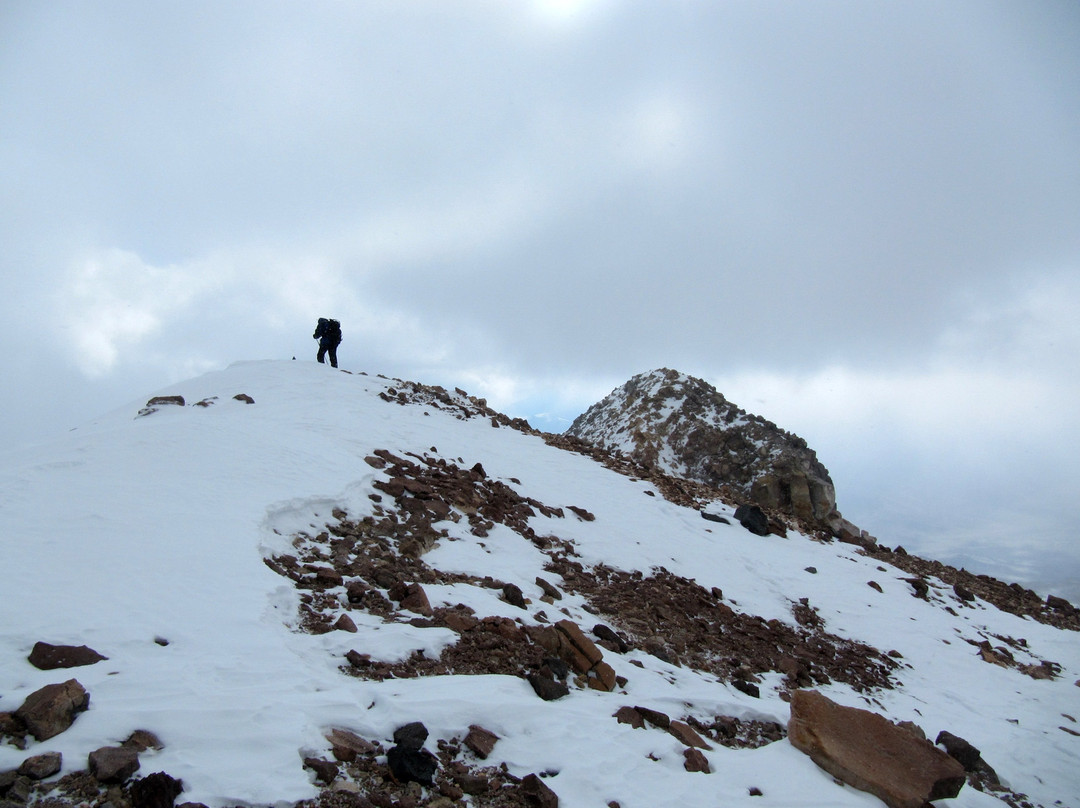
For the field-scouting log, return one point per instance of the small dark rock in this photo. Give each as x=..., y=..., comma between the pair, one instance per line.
x=411, y=765
x=747, y=688
x=753, y=519
x=547, y=689
x=513, y=595
x=326, y=771
x=537, y=794
x=604, y=633
x=960, y=750
x=963, y=593
x=411, y=736
x=714, y=517
x=157, y=790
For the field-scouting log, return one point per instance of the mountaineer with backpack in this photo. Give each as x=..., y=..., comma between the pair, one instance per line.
x=328, y=333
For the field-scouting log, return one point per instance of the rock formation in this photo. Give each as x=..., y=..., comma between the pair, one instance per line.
x=686, y=428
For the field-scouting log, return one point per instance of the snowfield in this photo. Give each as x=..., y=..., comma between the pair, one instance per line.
x=144, y=537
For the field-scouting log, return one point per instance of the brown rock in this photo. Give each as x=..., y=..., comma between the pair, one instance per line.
x=52, y=709
x=537, y=794
x=655, y=717
x=602, y=677
x=630, y=715
x=143, y=739
x=39, y=767
x=867, y=751
x=48, y=657
x=695, y=761
x=113, y=764
x=413, y=598
x=481, y=741
x=687, y=735
x=159, y=400
x=586, y=647
x=346, y=623
x=347, y=746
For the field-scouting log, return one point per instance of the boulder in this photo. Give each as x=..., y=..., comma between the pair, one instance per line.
x=113, y=764
x=48, y=657
x=867, y=751
x=52, y=709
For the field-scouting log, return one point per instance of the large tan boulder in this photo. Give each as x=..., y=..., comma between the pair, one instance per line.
x=869, y=752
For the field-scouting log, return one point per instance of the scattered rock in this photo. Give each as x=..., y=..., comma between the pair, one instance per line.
x=753, y=519
x=143, y=739
x=157, y=790
x=39, y=767
x=694, y=760
x=157, y=401
x=347, y=746
x=52, y=709
x=411, y=736
x=513, y=595
x=411, y=597
x=687, y=735
x=547, y=689
x=346, y=623
x=48, y=657
x=326, y=771
x=408, y=765
x=549, y=589
x=113, y=764
x=868, y=752
x=481, y=741
x=537, y=794
x=655, y=717
x=959, y=749
x=874, y=585
x=629, y=715
x=244, y=397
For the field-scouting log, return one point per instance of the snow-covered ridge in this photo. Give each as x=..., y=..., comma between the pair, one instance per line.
x=147, y=538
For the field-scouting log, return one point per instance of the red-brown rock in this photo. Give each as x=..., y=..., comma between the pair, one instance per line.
x=867, y=751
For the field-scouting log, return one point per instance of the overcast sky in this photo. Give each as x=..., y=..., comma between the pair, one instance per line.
x=858, y=219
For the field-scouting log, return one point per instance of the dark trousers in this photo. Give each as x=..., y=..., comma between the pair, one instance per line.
x=328, y=348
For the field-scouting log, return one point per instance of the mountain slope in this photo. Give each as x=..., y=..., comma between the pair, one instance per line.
x=197, y=547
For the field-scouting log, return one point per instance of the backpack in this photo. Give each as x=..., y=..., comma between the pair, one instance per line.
x=332, y=331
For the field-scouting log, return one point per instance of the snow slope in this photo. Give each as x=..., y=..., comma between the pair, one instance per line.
x=131, y=532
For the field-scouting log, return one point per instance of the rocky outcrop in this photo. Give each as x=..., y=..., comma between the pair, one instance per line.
x=869, y=752
x=686, y=428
